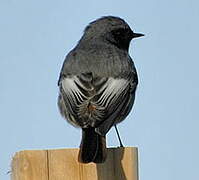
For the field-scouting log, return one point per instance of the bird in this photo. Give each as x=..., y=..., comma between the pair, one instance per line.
x=97, y=84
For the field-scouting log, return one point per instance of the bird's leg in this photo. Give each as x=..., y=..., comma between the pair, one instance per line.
x=118, y=135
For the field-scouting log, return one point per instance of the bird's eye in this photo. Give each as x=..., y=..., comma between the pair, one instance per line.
x=119, y=32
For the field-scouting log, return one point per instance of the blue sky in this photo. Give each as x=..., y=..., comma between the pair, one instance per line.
x=36, y=35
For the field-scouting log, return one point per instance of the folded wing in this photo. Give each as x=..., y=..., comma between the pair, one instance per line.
x=99, y=102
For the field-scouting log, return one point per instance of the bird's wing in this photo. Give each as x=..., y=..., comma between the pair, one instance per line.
x=118, y=98
x=75, y=93
x=98, y=102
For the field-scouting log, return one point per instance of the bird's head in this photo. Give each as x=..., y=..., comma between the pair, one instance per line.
x=111, y=29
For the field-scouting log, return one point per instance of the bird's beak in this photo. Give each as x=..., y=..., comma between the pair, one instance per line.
x=136, y=35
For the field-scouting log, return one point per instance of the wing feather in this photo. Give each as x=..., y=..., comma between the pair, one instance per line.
x=109, y=97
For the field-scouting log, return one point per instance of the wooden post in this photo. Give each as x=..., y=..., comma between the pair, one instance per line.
x=62, y=164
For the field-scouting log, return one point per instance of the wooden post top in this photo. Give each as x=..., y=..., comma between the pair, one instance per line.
x=62, y=164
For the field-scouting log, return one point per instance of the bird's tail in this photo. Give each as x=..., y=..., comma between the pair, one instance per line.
x=93, y=147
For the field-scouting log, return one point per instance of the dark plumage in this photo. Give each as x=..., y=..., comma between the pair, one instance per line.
x=97, y=84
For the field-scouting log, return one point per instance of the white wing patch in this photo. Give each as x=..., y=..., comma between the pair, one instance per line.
x=104, y=96
x=71, y=89
x=110, y=90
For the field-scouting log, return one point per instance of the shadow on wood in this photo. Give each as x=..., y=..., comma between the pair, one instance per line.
x=113, y=166
x=62, y=164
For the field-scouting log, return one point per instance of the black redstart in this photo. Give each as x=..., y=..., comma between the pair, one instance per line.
x=97, y=84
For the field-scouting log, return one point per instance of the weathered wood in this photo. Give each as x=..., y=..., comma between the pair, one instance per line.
x=62, y=164
x=30, y=165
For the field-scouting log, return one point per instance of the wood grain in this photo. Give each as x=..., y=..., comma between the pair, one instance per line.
x=30, y=165
x=62, y=164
